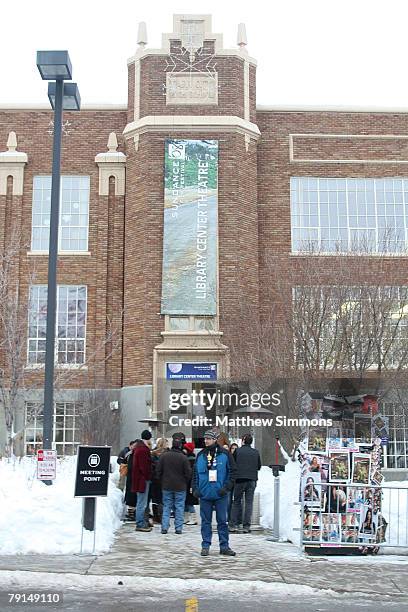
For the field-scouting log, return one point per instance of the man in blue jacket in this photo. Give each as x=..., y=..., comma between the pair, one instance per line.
x=214, y=476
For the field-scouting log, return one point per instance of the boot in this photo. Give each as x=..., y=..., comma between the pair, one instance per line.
x=192, y=520
x=228, y=552
x=186, y=518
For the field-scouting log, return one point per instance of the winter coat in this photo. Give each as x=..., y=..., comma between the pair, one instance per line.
x=248, y=462
x=174, y=470
x=122, y=455
x=190, y=499
x=155, y=487
x=141, y=468
x=226, y=473
x=130, y=496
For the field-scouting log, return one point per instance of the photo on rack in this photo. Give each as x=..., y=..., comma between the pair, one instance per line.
x=361, y=469
x=334, y=436
x=317, y=440
x=362, y=429
x=367, y=529
x=339, y=468
x=311, y=490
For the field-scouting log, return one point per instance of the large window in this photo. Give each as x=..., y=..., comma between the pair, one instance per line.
x=74, y=208
x=66, y=438
x=331, y=215
x=70, y=324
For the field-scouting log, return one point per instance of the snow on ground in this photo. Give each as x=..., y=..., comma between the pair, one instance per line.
x=159, y=585
x=36, y=518
x=289, y=516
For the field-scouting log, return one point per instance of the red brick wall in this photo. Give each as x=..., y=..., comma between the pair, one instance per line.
x=153, y=70
x=102, y=270
x=275, y=170
x=125, y=237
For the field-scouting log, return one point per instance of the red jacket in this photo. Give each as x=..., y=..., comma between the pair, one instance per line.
x=141, y=468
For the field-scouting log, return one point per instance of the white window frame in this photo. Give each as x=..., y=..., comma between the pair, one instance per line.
x=38, y=430
x=364, y=209
x=59, y=338
x=61, y=228
x=191, y=324
x=397, y=445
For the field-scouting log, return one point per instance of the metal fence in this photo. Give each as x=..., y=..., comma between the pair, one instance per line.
x=350, y=515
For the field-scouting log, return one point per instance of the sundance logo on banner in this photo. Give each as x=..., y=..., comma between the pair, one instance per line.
x=177, y=150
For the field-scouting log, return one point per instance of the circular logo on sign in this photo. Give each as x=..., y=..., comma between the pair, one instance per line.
x=94, y=460
x=175, y=368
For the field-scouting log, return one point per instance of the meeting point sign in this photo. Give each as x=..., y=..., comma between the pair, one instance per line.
x=92, y=473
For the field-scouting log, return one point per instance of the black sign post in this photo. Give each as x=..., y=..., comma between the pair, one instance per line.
x=91, y=481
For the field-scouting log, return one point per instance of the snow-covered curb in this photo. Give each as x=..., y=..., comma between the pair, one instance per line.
x=156, y=585
x=36, y=518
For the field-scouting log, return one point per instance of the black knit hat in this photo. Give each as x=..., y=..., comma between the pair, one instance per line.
x=179, y=436
x=146, y=435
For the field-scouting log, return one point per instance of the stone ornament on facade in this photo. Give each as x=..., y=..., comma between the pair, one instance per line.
x=191, y=76
x=191, y=88
x=112, y=163
x=66, y=128
x=12, y=163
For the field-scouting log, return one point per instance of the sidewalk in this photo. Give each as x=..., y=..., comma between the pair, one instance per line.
x=178, y=556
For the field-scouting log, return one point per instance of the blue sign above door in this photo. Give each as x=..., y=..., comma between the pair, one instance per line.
x=191, y=371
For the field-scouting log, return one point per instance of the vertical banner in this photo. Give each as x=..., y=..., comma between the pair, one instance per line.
x=189, y=274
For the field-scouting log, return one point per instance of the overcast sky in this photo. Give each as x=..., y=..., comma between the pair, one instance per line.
x=309, y=52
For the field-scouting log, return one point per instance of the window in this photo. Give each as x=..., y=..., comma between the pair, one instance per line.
x=397, y=447
x=179, y=323
x=65, y=434
x=191, y=323
x=342, y=215
x=33, y=432
x=74, y=209
x=204, y=323
x=70, y=324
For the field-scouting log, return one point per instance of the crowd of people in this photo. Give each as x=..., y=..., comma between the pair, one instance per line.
x=165, y=482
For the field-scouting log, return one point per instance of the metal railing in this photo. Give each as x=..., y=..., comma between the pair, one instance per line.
x=354, y=515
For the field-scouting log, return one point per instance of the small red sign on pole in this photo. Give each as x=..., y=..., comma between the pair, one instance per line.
x=46, y=464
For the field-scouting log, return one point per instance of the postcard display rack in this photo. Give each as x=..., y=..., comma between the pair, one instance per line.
x=340, y=489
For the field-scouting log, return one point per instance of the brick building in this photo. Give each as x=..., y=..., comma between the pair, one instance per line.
x=270, y=162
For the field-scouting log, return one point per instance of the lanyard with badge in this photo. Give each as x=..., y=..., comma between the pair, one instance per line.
x=212, y=467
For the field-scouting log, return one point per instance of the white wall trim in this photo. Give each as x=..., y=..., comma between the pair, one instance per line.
x=60, y=253
x=191, y=123
x=262, y=108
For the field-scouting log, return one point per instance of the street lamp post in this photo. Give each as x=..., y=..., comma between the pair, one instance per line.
x=54, y=66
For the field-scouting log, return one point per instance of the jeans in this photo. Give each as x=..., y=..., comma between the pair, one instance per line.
x=176, y=500
x=142, y=499
x=221, y=512
x=189, y=508
x=242, y=489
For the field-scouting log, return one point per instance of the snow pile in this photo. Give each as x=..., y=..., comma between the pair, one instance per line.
x=395, y=511
x=36, y=518
x=289, y=496
x=107, y=586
